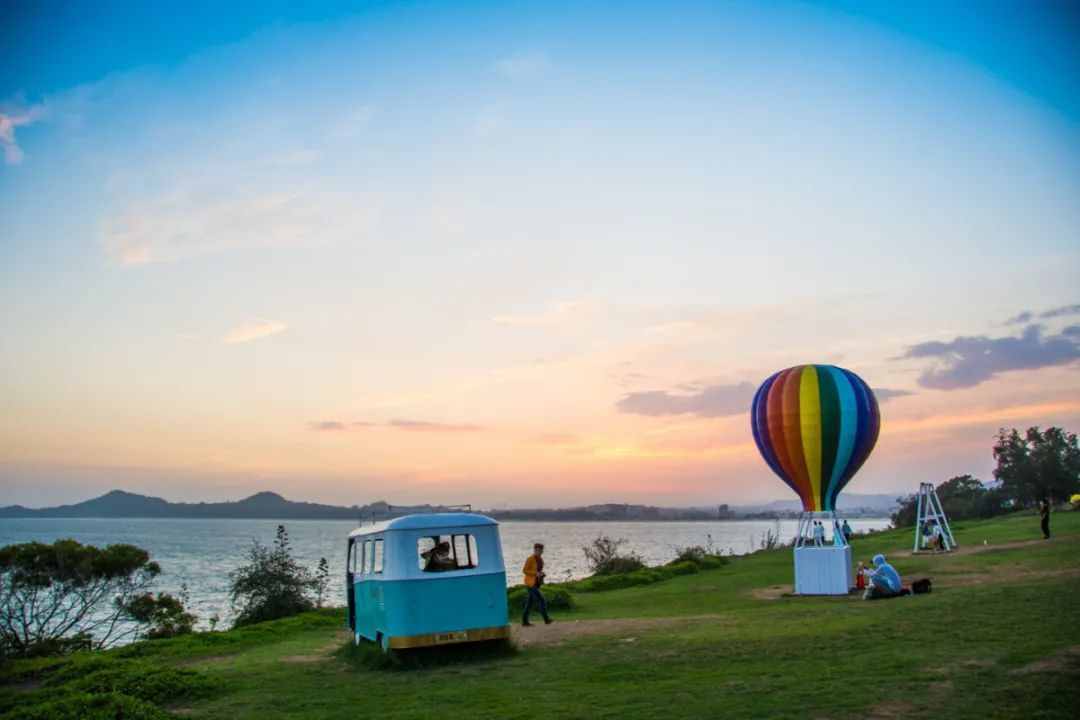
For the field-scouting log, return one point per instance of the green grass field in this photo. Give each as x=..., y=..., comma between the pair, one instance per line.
x=998, y=637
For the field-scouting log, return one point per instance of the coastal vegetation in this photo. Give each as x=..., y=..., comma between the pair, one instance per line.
x=998, y=637
x=273, y=584
x=1031, y=466
x=60, y=597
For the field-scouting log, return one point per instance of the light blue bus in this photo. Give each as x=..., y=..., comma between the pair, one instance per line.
x=422, y=580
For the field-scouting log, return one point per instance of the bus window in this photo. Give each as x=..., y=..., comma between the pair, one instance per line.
x=442, y=553
x=369, y=557
x=378, y=559
x=464, y=549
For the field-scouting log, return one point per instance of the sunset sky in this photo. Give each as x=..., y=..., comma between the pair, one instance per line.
x=523, y=254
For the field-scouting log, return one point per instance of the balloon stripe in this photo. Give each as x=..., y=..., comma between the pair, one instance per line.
x=862, y=423
x=846, y=432
x=760, y=428
x=830, y=431
x=871, y=425
x=810, y=429
x=775, y=420
x=793, y=432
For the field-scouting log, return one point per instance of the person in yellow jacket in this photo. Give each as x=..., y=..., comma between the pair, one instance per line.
x=534, y=578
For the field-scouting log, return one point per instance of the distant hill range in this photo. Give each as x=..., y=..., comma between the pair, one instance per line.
x=271, y=506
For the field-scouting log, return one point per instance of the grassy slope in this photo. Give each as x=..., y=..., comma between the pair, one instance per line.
x=963, y=651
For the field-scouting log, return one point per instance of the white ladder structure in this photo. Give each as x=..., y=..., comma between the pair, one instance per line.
x=929, y=510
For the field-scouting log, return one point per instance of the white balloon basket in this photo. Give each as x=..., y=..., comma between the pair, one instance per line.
x=822, y=565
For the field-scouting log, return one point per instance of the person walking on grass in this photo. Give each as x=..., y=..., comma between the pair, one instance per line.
x=534, y=578
x=1044, y=514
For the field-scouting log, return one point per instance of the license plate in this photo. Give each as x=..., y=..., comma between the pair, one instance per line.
x=450, y=637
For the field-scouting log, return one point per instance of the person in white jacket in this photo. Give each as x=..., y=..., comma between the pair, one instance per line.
x=884, y=581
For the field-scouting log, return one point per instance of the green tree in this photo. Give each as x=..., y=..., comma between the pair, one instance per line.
x=1037, y=465
x=65, y=596
x=322, y=582
x=962, y=497
x=272, y=584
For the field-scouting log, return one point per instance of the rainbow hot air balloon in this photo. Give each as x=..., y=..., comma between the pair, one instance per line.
x=815, y=425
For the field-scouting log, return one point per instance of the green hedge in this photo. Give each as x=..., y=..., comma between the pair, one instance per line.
x=649, y=575
x=84, y=706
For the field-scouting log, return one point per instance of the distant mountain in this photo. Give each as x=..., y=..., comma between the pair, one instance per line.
x=263, y=505
x=271, y=506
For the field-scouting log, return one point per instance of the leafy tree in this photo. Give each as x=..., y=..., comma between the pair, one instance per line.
x=65, y=596
x=962, y=497
x=272, y=585
x=1037, y=465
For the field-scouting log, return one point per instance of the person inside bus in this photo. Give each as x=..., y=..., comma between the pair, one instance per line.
x=438, y=558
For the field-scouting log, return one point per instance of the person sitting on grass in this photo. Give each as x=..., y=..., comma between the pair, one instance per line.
x=534, y=578
x=884, y=580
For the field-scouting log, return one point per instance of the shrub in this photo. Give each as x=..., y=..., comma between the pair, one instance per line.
x=273, y=584
x=712, y=562
x=604, y=558
x=557, y=598
x=770, y=539
x=649, y=575
x=164, y=615
x=690, y=553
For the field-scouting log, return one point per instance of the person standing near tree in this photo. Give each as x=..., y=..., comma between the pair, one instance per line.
x=1044, y=514
x=534, y=578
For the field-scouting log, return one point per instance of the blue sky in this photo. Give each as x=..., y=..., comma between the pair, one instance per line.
x=448, y=245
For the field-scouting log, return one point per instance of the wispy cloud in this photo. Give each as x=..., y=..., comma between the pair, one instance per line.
x=522, y=66
x=185, y=224
x=253, y=331
x=710, y=401
x=396, y=424
x=886, y=394
x=327, y=426
x=425, y=426
x=1027, y=316
x=11, y=118
x=554, y=315
x=968, y=361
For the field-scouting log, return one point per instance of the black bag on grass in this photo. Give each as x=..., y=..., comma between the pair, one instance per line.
x=919, y=587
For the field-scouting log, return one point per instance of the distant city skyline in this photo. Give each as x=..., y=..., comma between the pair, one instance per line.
x=515, y=255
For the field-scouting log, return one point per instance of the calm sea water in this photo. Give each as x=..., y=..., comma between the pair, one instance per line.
x=201, y=553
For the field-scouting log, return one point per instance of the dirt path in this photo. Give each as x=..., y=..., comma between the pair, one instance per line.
x=621, y=629
x=973, y=549
x=340, y=638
